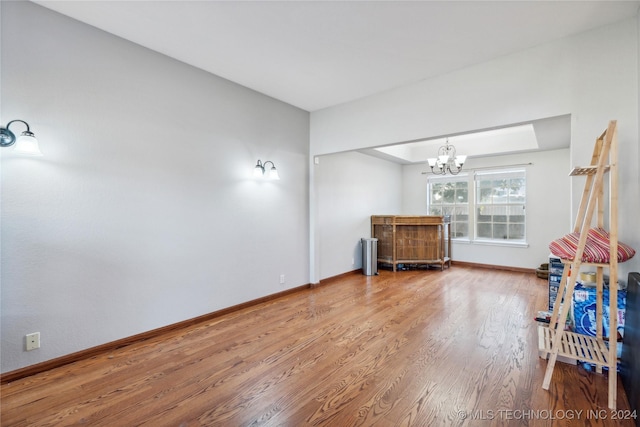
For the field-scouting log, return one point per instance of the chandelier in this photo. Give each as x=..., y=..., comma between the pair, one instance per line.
x=447, y=161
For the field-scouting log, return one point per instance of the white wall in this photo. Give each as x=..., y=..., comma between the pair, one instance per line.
x=592, y=76
x=548, y=215
x=350, y=187
x=143, y=211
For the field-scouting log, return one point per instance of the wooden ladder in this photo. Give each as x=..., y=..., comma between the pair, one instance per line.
x=554, y=340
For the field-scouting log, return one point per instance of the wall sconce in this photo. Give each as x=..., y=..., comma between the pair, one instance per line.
x=26, y=144
x=260, y=170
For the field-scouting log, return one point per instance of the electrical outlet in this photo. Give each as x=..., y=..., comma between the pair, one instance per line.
x=33, y=341
x=282, y=279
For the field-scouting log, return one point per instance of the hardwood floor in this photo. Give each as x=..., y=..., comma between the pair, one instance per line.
x=412, y=348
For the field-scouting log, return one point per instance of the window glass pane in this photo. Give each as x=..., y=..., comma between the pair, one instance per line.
x=499, y=214
x=449, y=193
x=484, y=194
x=516, y=214
x=517, y=183
x=516, y=191
x=484, y=214
x=500, y=183
x=436, y=193
x=459, y=229
x=436, y=210
x=516, y=231
x=462, y=192
x=499, y=231
x=462, y=195
x=484, y=231
x=461, y=213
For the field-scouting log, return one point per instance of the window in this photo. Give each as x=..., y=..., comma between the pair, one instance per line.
x=500, y=205
x=496, y=198
x=450, y=196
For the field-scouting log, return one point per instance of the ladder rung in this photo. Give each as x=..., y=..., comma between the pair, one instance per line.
x=586, y=263
x=587, y=170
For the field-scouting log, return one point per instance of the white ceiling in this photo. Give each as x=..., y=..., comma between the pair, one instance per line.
x=316, y=54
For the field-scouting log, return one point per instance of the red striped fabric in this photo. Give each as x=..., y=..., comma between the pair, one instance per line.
x=596, y=249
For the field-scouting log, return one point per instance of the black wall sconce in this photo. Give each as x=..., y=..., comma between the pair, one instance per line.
x=260, y=170
x=26, y=144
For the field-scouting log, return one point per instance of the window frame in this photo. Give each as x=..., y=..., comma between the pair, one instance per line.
x=506, y=205
x=473, y=178
x=455, y=223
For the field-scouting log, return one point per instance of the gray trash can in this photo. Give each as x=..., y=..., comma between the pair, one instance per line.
x=369, y=256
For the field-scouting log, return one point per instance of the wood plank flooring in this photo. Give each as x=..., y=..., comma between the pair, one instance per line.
x=413, y=348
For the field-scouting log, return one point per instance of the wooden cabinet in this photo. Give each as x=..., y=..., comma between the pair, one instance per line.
x=408, y=239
